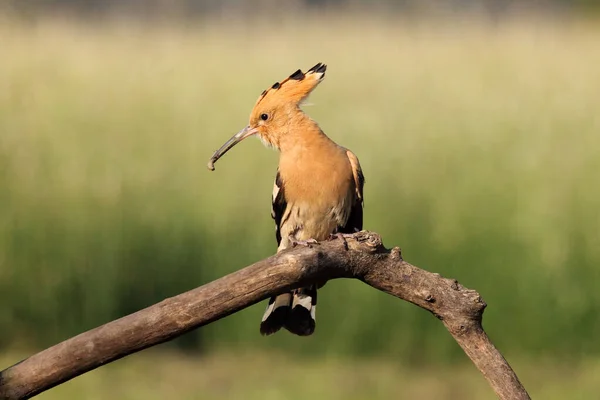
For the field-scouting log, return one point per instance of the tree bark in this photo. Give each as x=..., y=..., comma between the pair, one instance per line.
x=362, y=257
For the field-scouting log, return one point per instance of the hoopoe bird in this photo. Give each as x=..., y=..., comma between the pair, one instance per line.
x=318, y=191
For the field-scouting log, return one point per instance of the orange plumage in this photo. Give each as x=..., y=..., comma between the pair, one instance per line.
x=318, y=187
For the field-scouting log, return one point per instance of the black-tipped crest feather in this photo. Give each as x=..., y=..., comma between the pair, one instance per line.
x=318, y=68
x=298, y=75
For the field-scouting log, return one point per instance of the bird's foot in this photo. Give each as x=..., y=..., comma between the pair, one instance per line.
x=342, y=236
x=307, y=243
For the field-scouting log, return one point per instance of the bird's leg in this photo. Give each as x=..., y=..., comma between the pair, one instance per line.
x=306, y=243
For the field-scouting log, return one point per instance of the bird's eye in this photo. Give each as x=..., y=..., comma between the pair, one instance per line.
x=264, y=117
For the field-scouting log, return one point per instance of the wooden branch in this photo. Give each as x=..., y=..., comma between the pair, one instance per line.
x=460, y=310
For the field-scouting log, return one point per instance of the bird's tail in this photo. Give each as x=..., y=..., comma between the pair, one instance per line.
x=294, y=311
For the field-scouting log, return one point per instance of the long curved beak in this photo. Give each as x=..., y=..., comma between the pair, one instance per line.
x=235, y=139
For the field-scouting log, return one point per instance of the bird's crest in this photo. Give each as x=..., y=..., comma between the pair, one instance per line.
x=295, y=87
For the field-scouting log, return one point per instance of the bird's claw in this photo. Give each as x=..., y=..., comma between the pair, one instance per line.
x=342, y=236
x=307, y=243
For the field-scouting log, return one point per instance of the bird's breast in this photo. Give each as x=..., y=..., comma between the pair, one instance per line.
x=319, y=192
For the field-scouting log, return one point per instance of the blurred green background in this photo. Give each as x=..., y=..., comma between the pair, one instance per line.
x=478, y=131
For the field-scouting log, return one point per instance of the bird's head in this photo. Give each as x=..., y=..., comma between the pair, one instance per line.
x=277, y=110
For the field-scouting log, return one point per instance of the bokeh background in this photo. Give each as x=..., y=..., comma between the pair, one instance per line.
x=477, y=124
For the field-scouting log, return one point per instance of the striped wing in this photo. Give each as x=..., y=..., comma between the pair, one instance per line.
x=355, y=221
x=278, y=205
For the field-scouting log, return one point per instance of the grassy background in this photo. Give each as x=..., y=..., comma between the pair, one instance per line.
x=245, y=374
x=480, y=145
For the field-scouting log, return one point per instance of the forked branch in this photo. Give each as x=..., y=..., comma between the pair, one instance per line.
x=366, y=259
